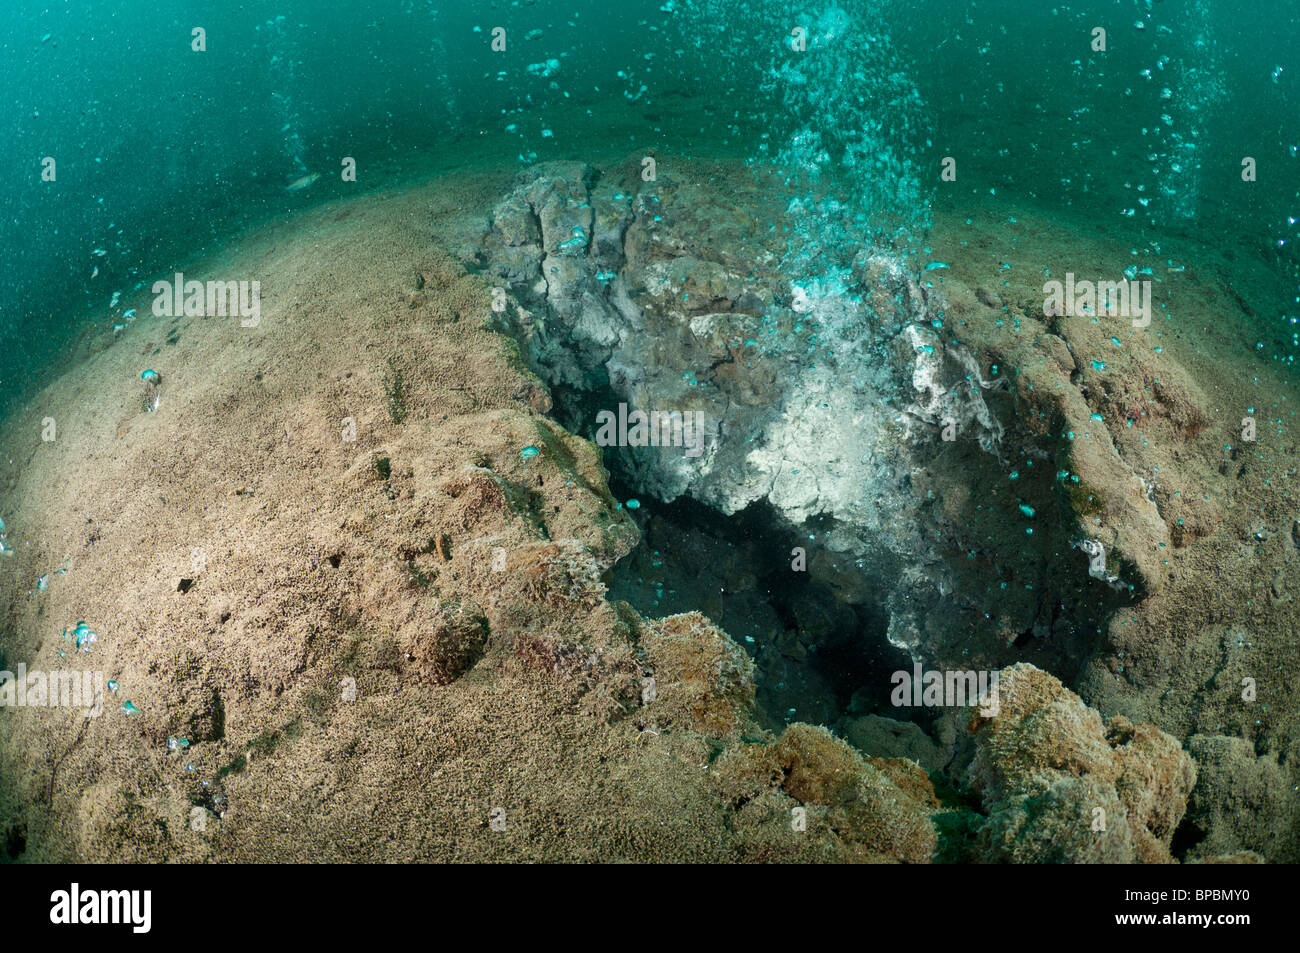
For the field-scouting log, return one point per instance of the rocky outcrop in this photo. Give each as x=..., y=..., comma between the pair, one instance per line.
x=401, y=623
x=1241, y=802
x=820, y=393
x=812, y=797
x=1059, y=784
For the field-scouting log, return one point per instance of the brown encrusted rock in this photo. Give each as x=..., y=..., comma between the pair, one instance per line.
x=444, y=646
x=1055, y=827
x=703, y=680
x=880, y=809
x=745, y=771
x=809, y=797
x=189, y=704
x=1240, y=857
x=545, y=603
x=819, y=767
x=1061, y=785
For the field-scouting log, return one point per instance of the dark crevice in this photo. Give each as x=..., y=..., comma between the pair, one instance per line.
x=818, y=659
x=15, y=841
x=1186, y=837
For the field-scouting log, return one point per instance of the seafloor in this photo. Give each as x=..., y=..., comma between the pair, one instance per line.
x=326, y=626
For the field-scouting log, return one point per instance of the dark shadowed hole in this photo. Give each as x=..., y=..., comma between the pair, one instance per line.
x=16, y=841
x=1187, y=836
x=817, y=660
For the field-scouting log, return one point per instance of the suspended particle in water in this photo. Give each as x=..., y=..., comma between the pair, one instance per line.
x=152, y=382
x=546, y=69
x=83, y=636
x=577, y=242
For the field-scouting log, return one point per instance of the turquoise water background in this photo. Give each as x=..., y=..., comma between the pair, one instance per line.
x=162, y=151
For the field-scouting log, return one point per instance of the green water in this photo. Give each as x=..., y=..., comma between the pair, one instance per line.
x=162, y=149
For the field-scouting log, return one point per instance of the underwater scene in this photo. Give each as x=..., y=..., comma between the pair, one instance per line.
x=664, y=431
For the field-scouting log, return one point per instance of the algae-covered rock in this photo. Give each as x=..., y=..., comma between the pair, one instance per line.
x=114, y=826
x=445, y=642
x=882, y=808
x=808, y=797
x=1241, y=802
x=1059, y=784
x=882, y=737
x=702, y=680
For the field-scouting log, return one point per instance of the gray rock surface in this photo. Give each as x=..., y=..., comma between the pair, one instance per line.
x=815, y=390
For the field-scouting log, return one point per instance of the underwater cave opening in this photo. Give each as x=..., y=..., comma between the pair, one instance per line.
x=1187, y=835
x=818, y=659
